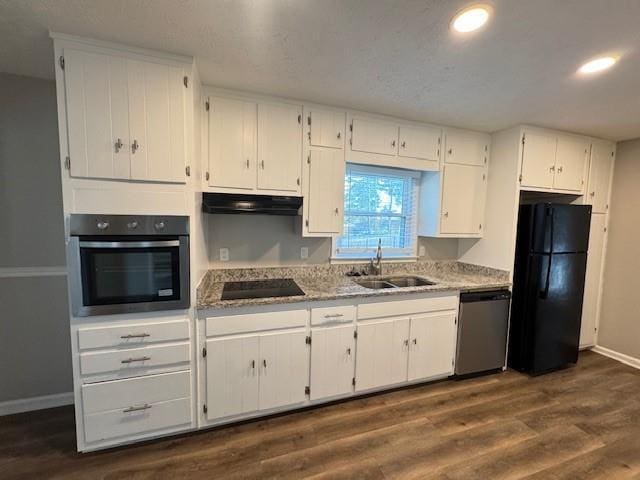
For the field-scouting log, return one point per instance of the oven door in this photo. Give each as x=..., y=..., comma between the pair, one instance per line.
x=129, y=275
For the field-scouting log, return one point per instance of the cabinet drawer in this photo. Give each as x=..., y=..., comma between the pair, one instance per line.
x=126, y=422
x=133, y=361
x=407, y=306
x=121, y=394
x=256, y=322
x=327, y=315
x=135, y=335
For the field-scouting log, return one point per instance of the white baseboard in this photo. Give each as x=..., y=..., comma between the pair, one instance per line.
x=35, y=403
x=621, y=357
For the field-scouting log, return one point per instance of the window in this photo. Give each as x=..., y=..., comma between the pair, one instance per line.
x=379, y=205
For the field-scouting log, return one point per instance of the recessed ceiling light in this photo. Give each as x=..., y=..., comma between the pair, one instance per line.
x=598, y=64
x=471, y=18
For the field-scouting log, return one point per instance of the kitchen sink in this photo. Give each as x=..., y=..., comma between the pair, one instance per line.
x=408, y=281
x=392, y=282
x=374, y=284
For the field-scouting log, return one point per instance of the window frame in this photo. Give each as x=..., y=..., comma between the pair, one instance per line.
x=397, y=254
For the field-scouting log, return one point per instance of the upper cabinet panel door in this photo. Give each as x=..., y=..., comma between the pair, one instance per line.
x=332, y=361
x=538, y=160
x=279, y=147
x=381, y=353
x=600, y=173
x=571, y=162
x=97, y=114
x=284, y=369
x=326, y=128
x=232, y=376
x=466, y=148
x=326, y=191
x=232, y=143
x=157, y=113
x=374, y=136
x=463, y=198
x=420, y=142
x=432, y=345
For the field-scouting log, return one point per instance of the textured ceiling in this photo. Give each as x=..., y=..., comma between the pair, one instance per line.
x=394, y=57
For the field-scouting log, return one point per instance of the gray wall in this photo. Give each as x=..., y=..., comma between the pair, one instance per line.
x=267, y=241
x=620, y=313
x=35, y=348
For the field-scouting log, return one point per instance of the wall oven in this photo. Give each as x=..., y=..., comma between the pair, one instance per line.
x=128, y=263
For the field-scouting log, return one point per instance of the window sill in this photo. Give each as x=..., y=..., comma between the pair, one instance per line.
x=355, y=260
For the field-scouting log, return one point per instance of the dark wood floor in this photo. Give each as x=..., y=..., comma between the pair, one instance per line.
x=579, y=423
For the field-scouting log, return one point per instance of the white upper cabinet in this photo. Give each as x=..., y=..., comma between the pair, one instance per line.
x=97, y=114
x=333, y=353
x=374, y=136
x=571, y=164
x=279, y=147
x=600, y=174
x=232, y=143
x=466, y=148
x=157, y=121
x=538, y=160
x=463, y=199
x=421, y=143
x=324, y=199
x=553, y=162
x=326, y=128
x=125, y=118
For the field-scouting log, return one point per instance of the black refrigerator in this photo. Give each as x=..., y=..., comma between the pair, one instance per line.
x=548, y=286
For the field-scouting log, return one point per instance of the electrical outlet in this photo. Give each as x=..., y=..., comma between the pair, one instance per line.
x=224, y=254
x=422, y=251
x=304, y=252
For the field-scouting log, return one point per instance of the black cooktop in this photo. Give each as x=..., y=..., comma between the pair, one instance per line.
x=277, y=287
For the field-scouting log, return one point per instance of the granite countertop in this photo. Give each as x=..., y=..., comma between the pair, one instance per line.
x=330, y=282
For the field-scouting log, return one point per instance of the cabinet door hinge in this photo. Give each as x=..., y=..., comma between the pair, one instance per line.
x=187, y=170
x=61, y=61
x=307, y=390
x=309, y=158
x=353, y=381
x=299, y=119
x=206, y=105
x=206, y=176
x=204, y=352
x=298, y=181
x=351, y=127
x=306, y=223
x=307, y=340
x=204, y=408
x=523, y=135
x=185, y=80
x=455, y=322
x=67, y=162
x=520, y=178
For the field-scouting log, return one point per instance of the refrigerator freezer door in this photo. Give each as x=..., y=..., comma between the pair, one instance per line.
x=555, y=319
x=565, y=228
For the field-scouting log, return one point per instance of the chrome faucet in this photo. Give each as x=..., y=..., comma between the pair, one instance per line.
x=376, y=267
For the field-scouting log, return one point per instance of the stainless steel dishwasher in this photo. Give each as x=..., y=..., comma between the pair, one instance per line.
x=482, y=332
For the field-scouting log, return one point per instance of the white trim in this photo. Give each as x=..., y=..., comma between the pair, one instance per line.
x=620, y=357
x=35, y=403
x=17, y=272
x=364, y=261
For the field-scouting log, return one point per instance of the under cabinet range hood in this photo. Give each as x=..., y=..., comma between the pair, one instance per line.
x=256, y=204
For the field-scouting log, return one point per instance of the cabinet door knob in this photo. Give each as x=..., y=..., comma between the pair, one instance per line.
x=247, y=163
x=406, y=342
x=415, y=341
x=135, y=146
x=560, y=169
x=262, y=164
x=592, y=194
x=393, y=143
x=446, y=214
x=403, y=144
x=264, y=362
x=253, y=364
x=450, y=151
x=118, y=145
x=349, y=351
x=337, y=210
x=552, y=168
x=339, y=135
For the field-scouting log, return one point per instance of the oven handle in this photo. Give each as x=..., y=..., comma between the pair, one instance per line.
x=148, y=244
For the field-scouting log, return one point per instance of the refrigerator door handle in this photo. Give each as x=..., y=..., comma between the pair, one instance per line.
x=545, y=293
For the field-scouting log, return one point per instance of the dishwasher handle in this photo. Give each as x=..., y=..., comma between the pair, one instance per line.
x=485, y=296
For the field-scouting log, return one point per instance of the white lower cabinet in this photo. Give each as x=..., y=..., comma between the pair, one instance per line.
x=382, y=350
x=332, y=361
x=255, y=372
x=432, y=345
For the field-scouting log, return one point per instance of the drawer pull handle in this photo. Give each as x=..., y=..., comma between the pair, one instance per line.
x=146, y=406
x=135, y=335
x=139, y=359
x=334, y=315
